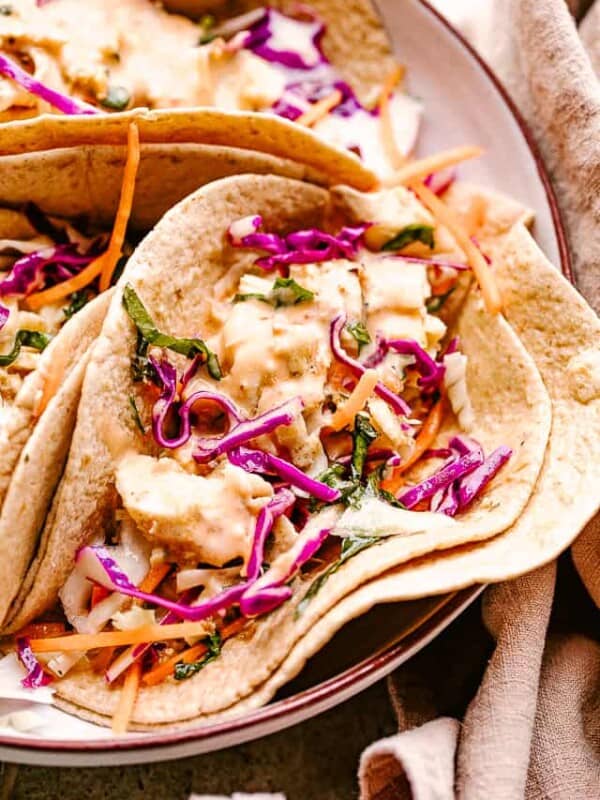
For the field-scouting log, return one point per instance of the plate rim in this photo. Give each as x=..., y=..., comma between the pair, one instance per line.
x=385, y=660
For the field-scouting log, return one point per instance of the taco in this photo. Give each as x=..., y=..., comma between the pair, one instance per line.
x=326, y=65
x=274, y=413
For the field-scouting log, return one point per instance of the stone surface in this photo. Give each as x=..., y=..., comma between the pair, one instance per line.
x=316, y=759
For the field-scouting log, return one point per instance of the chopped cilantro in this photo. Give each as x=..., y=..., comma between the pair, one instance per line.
x=136, y=415
x=364, y=433
x=437, y=301
x=183, y=671
x=409, y=234
x=284, y=292
x=117, y=98
x=351, y=546
x=359, y=332
x=151, y=335
x=206, y=23
x=24, y=338
x=78, y=300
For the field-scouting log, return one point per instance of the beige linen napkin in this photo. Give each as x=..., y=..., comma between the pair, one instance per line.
x=532, y=728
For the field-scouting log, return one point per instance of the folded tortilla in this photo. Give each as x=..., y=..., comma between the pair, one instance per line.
x=187, y=256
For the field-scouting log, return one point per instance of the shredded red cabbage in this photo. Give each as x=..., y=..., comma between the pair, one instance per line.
x=432, y=373
x=282, y=501
x=261, y=38
x=35, y=674
x=168, y=377
x=438, y=182
x=4, y=315
x=441, y=479
x=301, y=247
x=462, y=445
x=247, y=429
x=266, y=593
x=268, y=464
x=399, y=406
x=68, y=105
x=471, y=486
x=45, y=267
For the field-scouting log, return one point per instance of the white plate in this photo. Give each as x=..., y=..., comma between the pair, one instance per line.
x=464, y=103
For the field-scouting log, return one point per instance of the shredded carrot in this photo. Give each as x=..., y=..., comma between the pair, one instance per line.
x=162, y=671
x=345, y=414
x=475, y=217
x=131, y=684
x=42, y=629
x=117, y=238
x=143, y=635
x=447, y=217
x=423, y=442
x=320, y=109
x=394, y=154
x=419, y=169
x=99, y=593
x=105, y=264
x=155, y=577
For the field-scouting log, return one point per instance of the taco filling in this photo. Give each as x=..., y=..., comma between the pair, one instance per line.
x=54, y=58
x=310, y=423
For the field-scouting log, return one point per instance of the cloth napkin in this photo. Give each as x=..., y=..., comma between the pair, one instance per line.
x=532, y=727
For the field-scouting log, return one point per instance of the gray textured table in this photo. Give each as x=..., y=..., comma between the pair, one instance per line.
x=317, y=759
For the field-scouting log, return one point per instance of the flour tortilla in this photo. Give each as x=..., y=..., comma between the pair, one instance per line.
x=34, y=450
x=173, y=269
x=247, y=131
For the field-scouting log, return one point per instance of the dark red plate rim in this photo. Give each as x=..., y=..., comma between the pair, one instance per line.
x=320, y=693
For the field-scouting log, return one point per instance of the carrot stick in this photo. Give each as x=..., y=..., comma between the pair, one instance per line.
x=155, y=577
x=142, y=635
x=106, y=262
x=419, y=169
x=447, y=217
x=320, y=109
x=125, y=204
x=161, y=671
x=423, y=442
x=131, y=684
x=395, y=155
x=345, y=414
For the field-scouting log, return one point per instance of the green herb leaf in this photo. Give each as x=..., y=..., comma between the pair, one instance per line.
x=78, y=300
x=284, y=292
x=136, y=414
x=364, y=433
x=359, y=332
x=183, y=671
x=144, y=323
x=35, y=339
x=437, y=301
x=409, y=234
x=117, y=98
x=206, y=23
x=351, y=546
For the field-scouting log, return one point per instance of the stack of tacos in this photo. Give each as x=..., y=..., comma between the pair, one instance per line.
x=316, y=374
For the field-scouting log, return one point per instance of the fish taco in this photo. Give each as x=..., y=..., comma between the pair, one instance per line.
x=259, y=75
x=275, y=412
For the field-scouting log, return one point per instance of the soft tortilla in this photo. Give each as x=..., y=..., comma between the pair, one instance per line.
x=259, y=132
x=510, y=402
x=34, y=451
x=86, y=180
